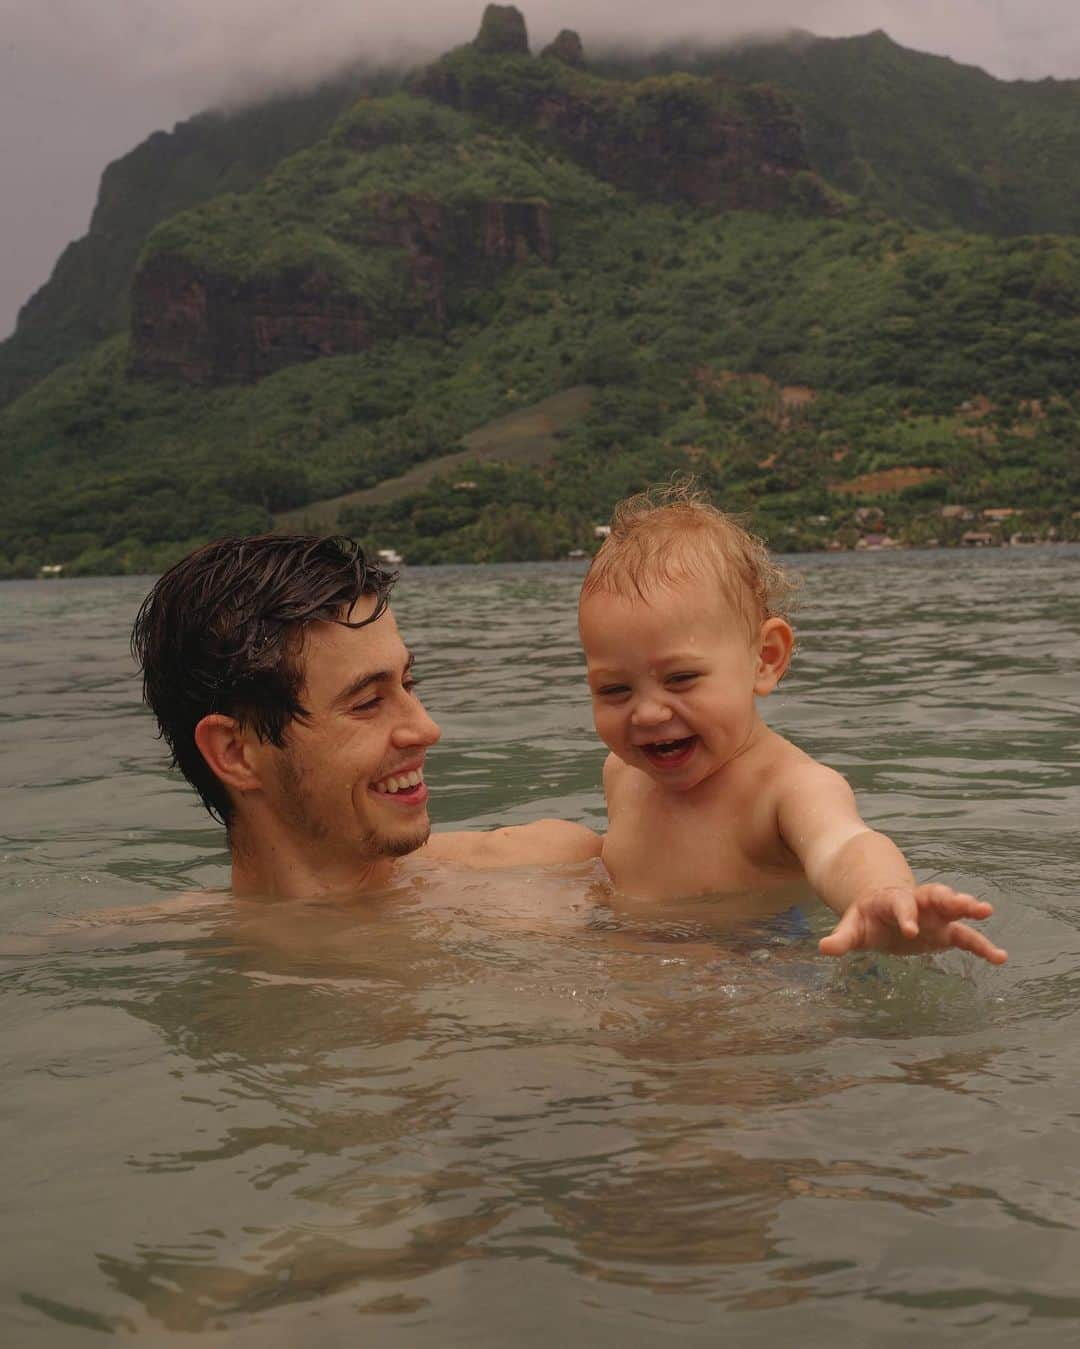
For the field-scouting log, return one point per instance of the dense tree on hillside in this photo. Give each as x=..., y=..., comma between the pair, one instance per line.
x=422, y=268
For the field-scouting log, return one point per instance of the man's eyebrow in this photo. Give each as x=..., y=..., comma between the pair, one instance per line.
x=364, y=681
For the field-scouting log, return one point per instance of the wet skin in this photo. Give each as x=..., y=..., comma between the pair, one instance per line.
x=704, y=798
x=334, y=809
x=322, y=810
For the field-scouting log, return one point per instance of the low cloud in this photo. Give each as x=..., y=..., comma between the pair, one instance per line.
x=81, y=83
x=219, y=50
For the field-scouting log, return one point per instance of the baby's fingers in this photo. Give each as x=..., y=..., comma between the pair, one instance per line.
x=905, y=910
x=847, y=935
x=965, y=938
x=950, y=903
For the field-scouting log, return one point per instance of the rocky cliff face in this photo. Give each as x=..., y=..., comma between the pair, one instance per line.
x=202, y=327
x=87, y=296
x=206, y=328
x=567, y=48
x=685, y=145
x=706, y=141
x=502, y=29
x=440, y=242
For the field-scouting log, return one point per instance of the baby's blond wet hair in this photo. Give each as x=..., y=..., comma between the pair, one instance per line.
x=669, y=534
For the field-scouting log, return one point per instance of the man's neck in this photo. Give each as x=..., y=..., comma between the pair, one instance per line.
x=277, y=868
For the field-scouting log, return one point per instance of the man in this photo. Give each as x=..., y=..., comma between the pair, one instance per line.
x=283, y=688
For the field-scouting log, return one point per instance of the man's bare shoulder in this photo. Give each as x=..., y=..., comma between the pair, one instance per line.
x=100, y=926
x=190, y=902
x=538, y=844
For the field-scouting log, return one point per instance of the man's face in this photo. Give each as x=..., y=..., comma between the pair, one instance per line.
x=349, y=779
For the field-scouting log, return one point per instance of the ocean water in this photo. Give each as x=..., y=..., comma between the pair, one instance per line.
x=486, y=1110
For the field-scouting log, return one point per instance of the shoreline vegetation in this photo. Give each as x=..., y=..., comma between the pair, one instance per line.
x=56, y=572
x=459, y=313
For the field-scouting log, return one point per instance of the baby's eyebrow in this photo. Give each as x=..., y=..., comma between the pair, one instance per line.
x=602, y=680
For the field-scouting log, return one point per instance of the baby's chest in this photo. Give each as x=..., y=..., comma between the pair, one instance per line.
x=654, y=850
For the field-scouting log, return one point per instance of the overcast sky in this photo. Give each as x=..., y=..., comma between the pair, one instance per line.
x=83, y=81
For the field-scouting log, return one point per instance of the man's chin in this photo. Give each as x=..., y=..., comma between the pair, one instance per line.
x=406, y=843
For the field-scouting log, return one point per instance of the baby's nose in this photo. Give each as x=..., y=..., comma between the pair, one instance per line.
x=650, y=712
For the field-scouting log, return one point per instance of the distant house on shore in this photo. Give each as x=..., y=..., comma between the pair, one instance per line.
x=975, y=538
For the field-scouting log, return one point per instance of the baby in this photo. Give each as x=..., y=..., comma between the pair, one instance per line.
x=681, y=621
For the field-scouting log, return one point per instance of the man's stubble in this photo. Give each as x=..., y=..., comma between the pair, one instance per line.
x=302, y=815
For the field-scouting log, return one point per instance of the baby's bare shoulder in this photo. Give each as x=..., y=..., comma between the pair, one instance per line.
x=785, y=770
x=614, y=770
x=805, y=783
x=791, y=759
x=621, y=782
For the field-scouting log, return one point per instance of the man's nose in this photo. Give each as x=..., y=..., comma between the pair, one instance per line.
x=417, y=728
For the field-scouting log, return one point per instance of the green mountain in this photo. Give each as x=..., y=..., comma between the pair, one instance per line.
x=922, y=137
x=86, y=298
x=618, y=275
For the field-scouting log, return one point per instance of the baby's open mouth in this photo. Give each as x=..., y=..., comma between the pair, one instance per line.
x=669, y=751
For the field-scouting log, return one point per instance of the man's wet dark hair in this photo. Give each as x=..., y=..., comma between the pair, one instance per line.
x=223, y=631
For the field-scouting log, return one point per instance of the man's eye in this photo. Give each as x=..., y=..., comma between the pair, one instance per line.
x=369, y=706
x=409, y=684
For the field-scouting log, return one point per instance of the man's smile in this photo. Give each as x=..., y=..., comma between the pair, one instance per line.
x=406, y=785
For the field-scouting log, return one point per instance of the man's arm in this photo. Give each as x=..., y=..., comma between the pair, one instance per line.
x=538, y=844
x=864, y=878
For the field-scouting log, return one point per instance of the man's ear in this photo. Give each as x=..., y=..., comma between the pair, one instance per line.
x=775, y=644
x=227, y=748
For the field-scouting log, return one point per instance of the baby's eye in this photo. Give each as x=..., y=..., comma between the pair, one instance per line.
x=683, y=677
x=612, y=691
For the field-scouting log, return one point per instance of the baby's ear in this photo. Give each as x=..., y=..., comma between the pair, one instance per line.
x=775, y=644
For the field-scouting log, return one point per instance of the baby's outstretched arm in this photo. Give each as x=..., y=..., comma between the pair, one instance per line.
x=863, y=877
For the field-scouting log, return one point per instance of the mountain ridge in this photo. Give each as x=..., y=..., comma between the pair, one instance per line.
x=86, y=298
x=427, y=266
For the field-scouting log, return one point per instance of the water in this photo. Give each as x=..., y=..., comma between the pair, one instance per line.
x=484, y=1110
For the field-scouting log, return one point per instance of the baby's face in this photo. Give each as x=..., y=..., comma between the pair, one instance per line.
x=673, y=680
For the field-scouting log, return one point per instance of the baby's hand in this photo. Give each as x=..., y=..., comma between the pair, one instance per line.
x=910, y=922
